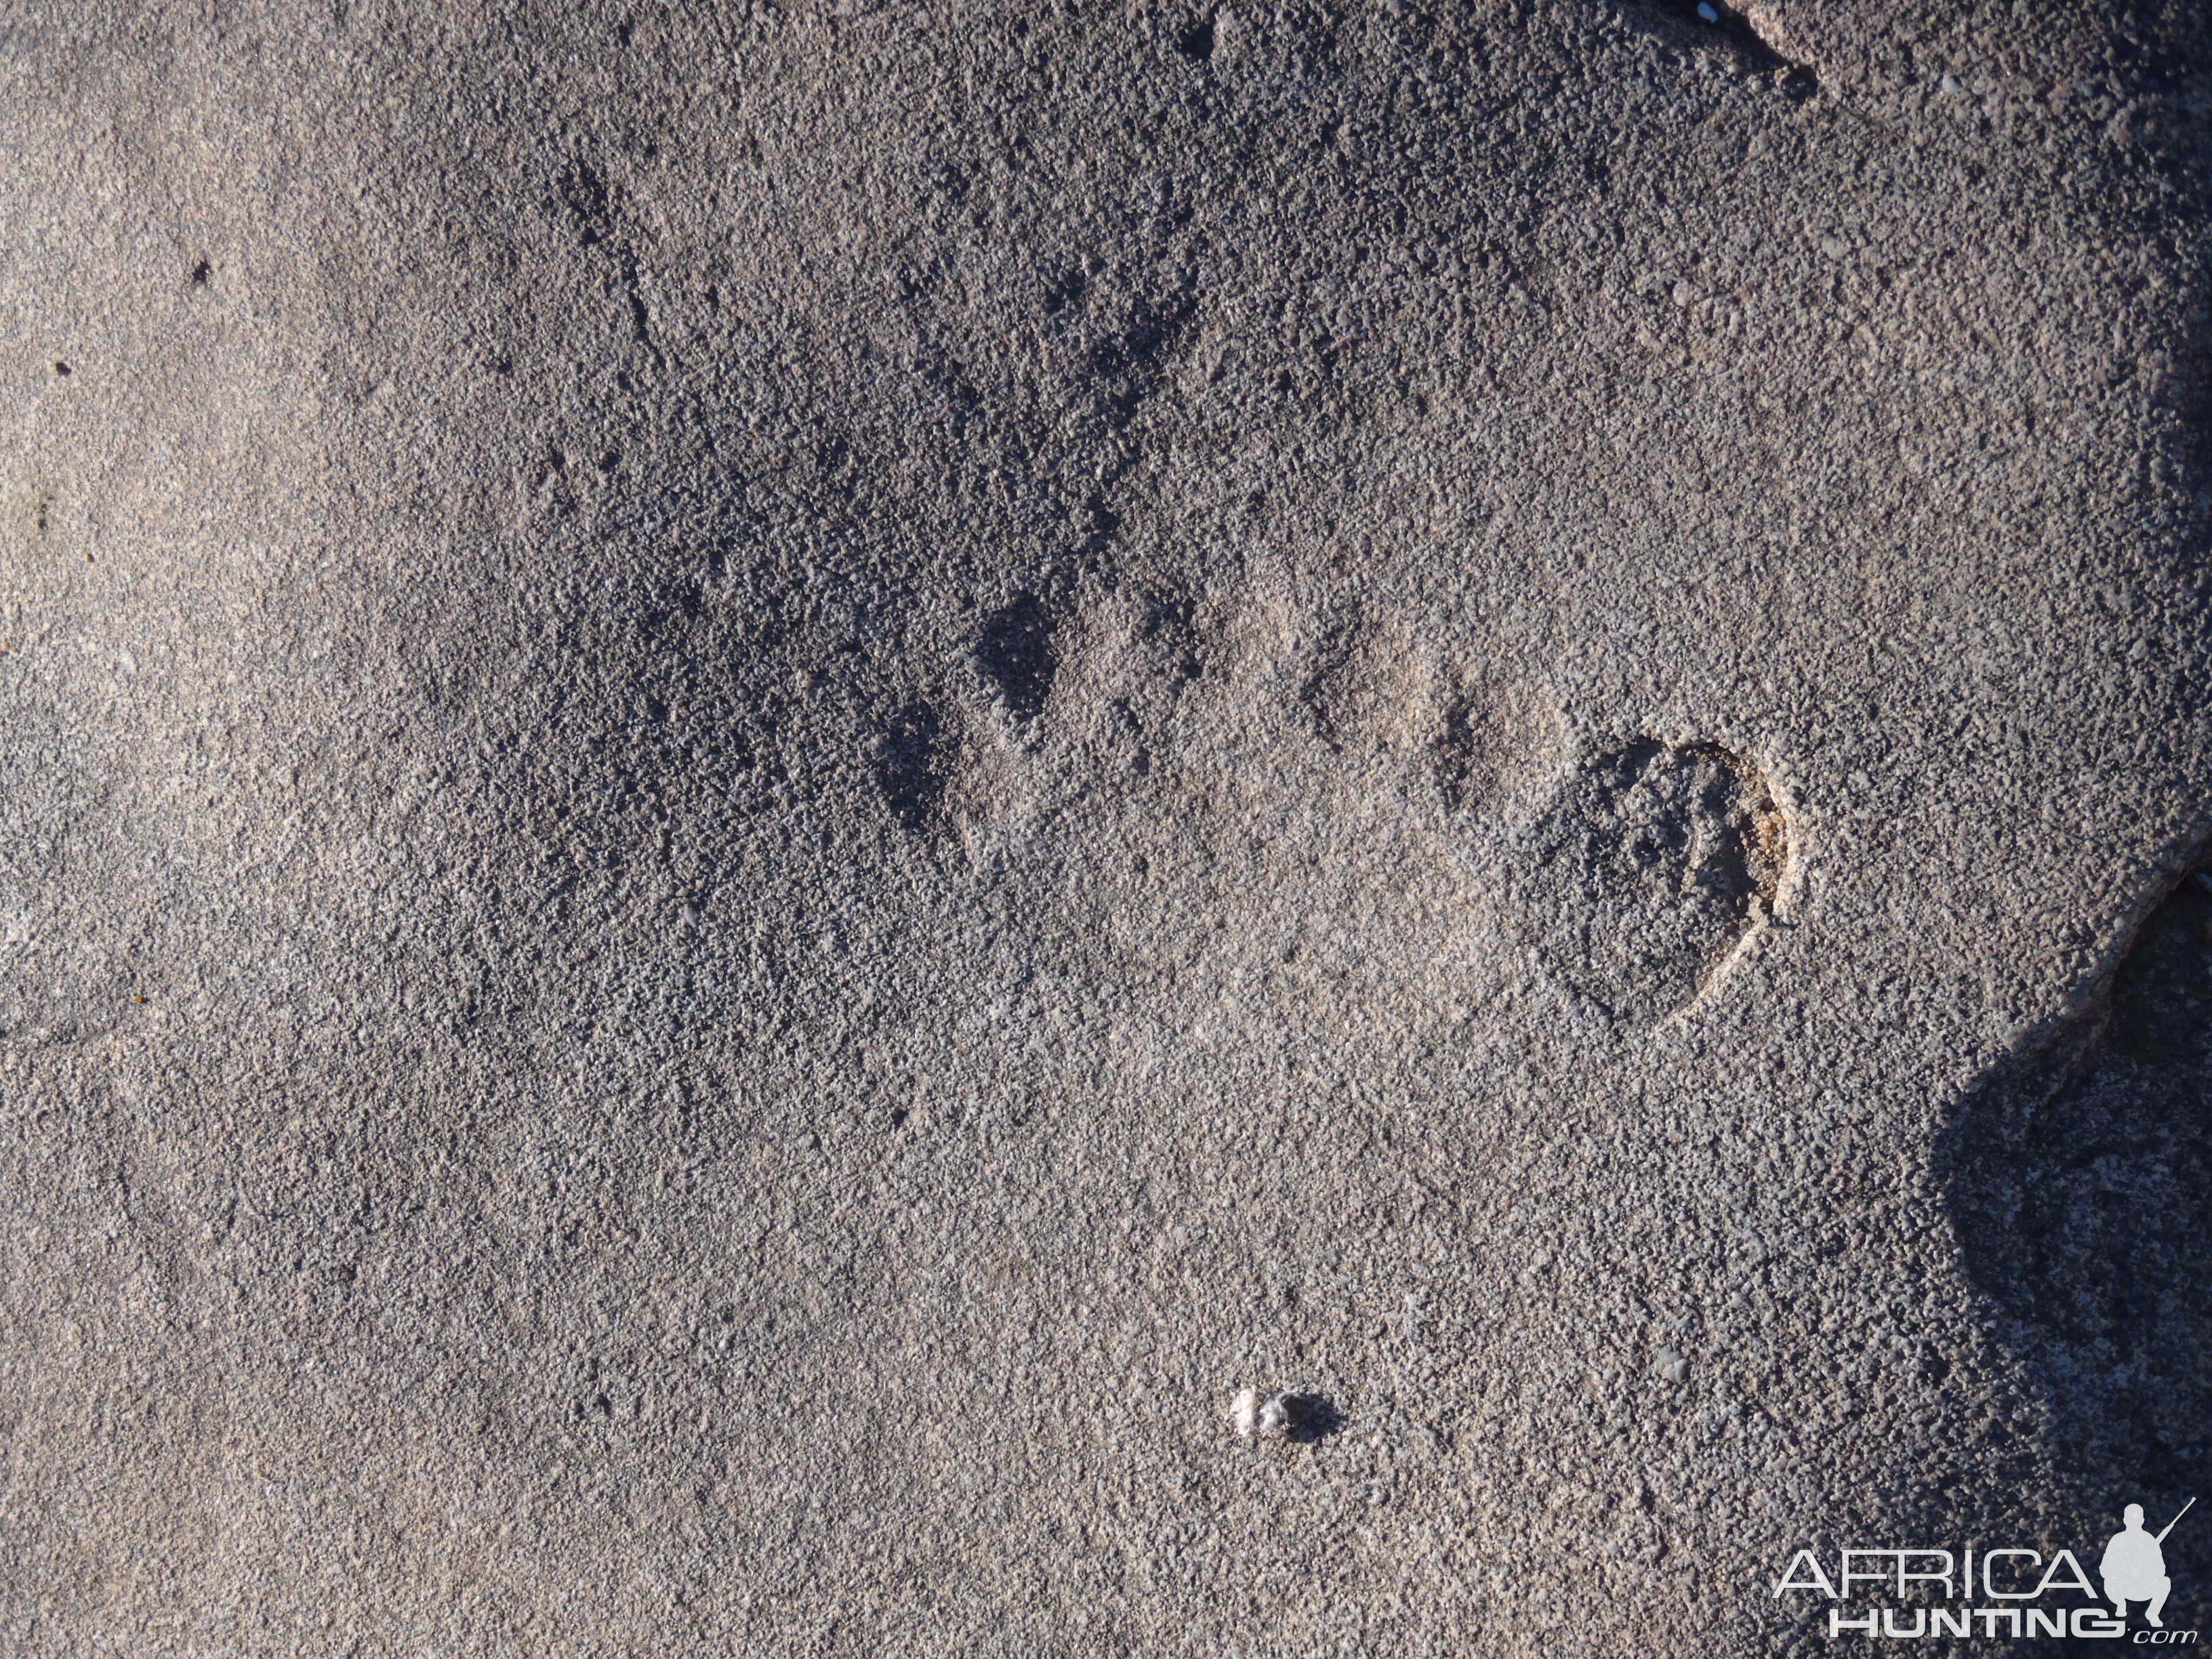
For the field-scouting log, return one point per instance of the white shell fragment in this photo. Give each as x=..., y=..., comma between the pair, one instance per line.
x=1244, y=1412
x=1255, y=1415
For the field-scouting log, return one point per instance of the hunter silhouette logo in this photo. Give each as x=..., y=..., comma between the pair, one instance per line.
x=2017, y=1590
x=2134, y=1567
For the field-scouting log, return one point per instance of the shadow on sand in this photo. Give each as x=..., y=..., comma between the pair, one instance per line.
x=2080, y=1180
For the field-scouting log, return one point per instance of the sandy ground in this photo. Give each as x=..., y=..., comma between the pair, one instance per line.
x=771, y=776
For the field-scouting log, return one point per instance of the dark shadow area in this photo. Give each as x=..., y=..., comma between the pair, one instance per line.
x=908, y=754
x=1196, y=42
x=1690, y=23
x=2080, y=1181
x=1015, y=655
x=1309, y=1418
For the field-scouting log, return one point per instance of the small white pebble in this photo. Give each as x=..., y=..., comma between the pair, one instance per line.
x=1244, y=1411
x=1253, y=1414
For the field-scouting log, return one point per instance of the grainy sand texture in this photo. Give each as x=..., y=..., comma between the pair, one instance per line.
x=772, y=776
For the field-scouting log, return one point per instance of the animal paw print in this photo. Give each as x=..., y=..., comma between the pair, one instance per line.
x=1652, y=864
